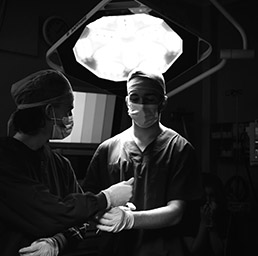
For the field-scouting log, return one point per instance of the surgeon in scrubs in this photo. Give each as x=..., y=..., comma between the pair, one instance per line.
x=41, y=202
x=167, y=186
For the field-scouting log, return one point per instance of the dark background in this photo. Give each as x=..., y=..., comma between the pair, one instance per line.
x=214, y=113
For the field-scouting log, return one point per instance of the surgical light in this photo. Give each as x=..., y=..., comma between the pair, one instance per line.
x=162, y=43
x=111, y=46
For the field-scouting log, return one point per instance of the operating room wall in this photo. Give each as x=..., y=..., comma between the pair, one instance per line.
x=220, y=109
x=234, y=104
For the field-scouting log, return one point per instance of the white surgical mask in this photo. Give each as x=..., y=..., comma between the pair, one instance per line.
x=60, y=132
x=144, y=115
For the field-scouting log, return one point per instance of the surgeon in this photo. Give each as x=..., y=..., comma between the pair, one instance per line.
x=41, y=202
x=167, y=187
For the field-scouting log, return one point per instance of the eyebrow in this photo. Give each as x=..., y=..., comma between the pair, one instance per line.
x=147, y=93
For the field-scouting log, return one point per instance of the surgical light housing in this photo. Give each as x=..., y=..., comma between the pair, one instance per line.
x=111, y=46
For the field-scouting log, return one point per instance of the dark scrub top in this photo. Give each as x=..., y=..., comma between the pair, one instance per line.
x=166, y=170
x=39, y=196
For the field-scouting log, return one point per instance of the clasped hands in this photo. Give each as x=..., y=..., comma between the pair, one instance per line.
x=117, y=217
x=208, y=211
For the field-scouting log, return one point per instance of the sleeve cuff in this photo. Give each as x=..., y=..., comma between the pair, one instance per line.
x=106, y=197
x=61, y=241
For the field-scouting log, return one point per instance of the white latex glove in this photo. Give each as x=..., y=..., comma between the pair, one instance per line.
x=130, y=206
x=116, y=219
x=41, y=247
x=119, y=194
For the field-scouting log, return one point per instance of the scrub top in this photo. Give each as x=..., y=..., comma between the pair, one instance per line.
x=166, y=170
x=39, y=196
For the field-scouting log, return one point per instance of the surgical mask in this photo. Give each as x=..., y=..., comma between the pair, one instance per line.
x=60, y=132
x=144, y=115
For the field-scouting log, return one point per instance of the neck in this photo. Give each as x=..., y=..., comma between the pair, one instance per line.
x=33, y=142
x=151, y=131
x=144, y=136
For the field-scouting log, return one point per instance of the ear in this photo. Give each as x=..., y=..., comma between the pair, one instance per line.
x=126, y=100
x=49, y=111
x=164, y=103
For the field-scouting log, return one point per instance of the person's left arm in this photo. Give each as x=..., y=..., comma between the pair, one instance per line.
x=165, y=216
x=119, y=218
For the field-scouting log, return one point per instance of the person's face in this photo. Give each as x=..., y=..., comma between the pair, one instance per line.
x=142, y=91
x=210, y=194
x=63, y=109
x=144, y=101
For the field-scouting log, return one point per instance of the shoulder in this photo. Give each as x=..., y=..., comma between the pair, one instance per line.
x=175, y=137
x=10, y=147
x=115, y=141
x=112, y=146
x=3, y=143
x=9, y=143
x=7, y=152
x=177, y=144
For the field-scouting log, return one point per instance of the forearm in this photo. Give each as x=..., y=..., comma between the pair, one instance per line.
x=160, y=217
x=57, y=244
x=41, y=213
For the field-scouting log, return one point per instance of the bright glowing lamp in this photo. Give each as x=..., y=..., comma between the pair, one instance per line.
x=112, y=46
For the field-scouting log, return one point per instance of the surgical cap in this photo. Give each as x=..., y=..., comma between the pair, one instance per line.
x=41, y=88
x=157, y=78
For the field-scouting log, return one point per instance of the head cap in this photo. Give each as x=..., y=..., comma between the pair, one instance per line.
x=159, y=81
x=41, y=88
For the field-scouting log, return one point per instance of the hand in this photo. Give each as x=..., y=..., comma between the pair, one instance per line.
x=41, y=247
x=213, y=206
x=116, y=219
x=130, y=206
x=207, y=215
x=120, y=193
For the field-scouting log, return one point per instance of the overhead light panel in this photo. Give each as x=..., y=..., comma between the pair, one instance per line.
x=112, y=46
x=115, y=36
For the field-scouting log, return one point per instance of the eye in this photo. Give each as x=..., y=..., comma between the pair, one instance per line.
x=134, y=98
x=151, y=99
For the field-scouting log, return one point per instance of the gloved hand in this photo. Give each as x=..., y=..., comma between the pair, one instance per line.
x=116, y=219
x=41, y=247
x=119, y=194
x=130, y=206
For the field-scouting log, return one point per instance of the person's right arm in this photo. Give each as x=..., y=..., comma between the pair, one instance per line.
x=30, y=207
x=53, y=245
